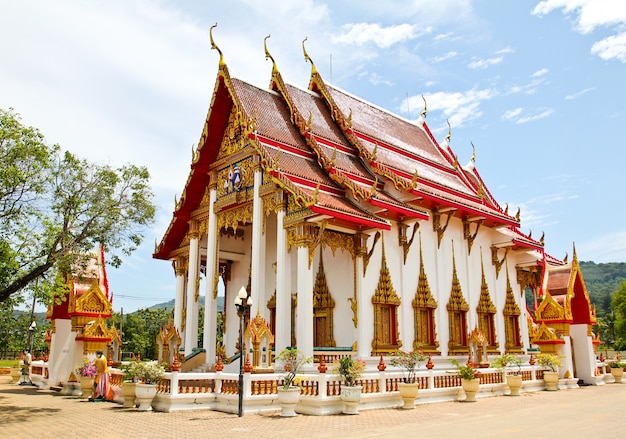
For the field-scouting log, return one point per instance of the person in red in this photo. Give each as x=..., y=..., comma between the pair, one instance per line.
x=101, y=381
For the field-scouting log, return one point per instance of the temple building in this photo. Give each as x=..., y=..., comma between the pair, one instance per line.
x=352, y=228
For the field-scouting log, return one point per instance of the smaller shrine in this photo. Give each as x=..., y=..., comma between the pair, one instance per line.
x=79, y=326
x=259, y=336
x=564, y=320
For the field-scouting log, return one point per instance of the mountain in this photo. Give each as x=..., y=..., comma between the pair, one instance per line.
x=602, y=281
x=170, y=304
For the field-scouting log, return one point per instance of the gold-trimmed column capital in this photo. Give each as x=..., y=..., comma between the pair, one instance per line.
x=194, y=229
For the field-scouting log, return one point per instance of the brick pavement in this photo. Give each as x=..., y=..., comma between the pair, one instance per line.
x=26, y=412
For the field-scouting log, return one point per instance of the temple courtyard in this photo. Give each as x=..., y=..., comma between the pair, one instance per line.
x=26, y=412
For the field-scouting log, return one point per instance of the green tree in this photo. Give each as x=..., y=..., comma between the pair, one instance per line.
x=619, y=311
x=141, y=329
x=55, y=209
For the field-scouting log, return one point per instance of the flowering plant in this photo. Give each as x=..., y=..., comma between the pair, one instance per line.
x=616, y=364
x=507, y=361
x=147, y=372
x=87, y=369
x=466, y=371
x=350, y=370
x=292, y=360
x=408, y=362
x=551, y=361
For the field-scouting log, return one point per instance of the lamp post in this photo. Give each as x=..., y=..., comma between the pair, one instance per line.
x=31, y=332
x=243, y=302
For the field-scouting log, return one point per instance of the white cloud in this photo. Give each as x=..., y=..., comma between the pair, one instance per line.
x=611, y=47
x=444, y=57
x=458, y=107
x=512, y=114
x=384, y=37
x=591, y=14
x=484, y=63
x=540, y=73
x=579, y=94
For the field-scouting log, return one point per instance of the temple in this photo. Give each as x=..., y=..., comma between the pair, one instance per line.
x=353, y=229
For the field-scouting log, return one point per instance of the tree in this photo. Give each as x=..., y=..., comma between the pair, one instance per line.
x=55, y=209
x=141, y=329
x=619, y=311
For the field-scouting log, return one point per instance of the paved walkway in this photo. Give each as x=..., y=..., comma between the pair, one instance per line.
x=26, y=412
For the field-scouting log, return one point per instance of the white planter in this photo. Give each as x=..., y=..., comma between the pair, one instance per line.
x=86, y=386
x=551, y=379
x=408, y=393
x=351, y=395
x=470, y=387
x=618, y=374
x=128, y=392
x=288, y=398
x=515, y=384
x=144, y=394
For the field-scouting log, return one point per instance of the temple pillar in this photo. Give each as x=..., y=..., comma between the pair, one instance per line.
x=282, y=336
x=210, y=302
x=191, y=318
x=305, y=282
x=180, y=270
x=258, y=244
x=358, y=302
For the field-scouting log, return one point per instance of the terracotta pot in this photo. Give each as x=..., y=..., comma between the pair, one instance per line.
x=551, y=379
x=288, y=398
x=470, y=387
x=351, y=395
x=515, y=384
x=408, y=393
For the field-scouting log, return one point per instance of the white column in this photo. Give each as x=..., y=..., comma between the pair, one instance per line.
x=363, y=345
x=304, y=317
x=191, y=319
x=257, y=247
x=282, y=338
x=210, y=303
x=179, y=270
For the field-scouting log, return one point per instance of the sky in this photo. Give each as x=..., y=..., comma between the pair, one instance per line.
x=536, y=86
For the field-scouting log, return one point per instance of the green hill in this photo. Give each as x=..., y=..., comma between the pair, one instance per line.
x=602, y=280
x=170, y=304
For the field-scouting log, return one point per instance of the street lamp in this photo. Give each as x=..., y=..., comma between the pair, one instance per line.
x=31, y=332
x=243, y=302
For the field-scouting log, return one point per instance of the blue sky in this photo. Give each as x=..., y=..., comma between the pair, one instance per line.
x=536, y=86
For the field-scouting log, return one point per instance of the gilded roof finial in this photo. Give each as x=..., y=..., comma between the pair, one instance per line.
x=308, y=58
x=214, y=46
x=316, y=193
x=506, y=209
x=543, y=238
x=449, y=135
x=309, y=122
x=414, y=180
x=473, y=157
x=268, y=55
x=423, y=113
x=349, y=121
x=375, y=152
x=374, y=192
x=517, y=215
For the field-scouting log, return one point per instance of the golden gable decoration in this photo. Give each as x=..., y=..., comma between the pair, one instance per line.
x=549, y=310
x=386, y=303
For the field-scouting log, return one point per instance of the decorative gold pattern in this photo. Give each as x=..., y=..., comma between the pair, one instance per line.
x=368, y=255
x=323, y=306
x=470, y=237
x=498, y=262
x=437, y=227
x=233, y=218
x=486, y=310
x=424, y=306
x=402, y=237
x=457, y=315
x=511, y=311
x=386, y=303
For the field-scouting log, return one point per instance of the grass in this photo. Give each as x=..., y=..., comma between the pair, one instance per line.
x=8, y=363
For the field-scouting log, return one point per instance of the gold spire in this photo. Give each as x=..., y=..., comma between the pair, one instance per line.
x=449, y=135
x=214, y=46
x=308, y=58
x=424, y=111
x=268, y=55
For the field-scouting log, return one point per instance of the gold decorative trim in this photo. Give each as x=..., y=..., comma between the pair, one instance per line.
x=402, y=237
x=457, y=315
x=232, y=218
x=437, y=227
x=323, y=306
x=470, y=237
x=385, y=301
x=498, y=262
x=424, y=306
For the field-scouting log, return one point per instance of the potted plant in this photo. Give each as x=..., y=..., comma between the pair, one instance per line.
x=146, y=374
x=289, y=393
x=617, y=369
x=128, y=386
x=512, y=366
x=350, y=371
x=86, y=372
x=469, y=379
x=408, y=362
x=552, y=362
